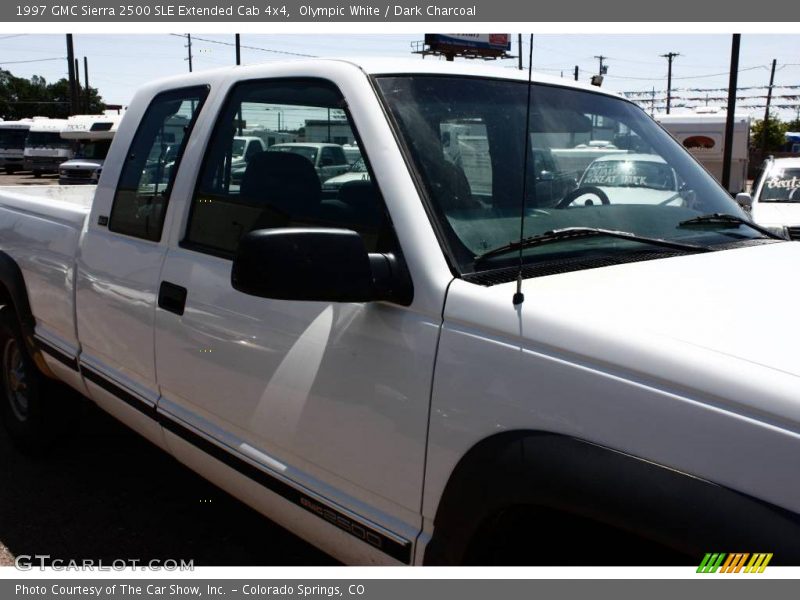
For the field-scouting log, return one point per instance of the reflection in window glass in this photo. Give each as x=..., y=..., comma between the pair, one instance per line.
x=140, y=203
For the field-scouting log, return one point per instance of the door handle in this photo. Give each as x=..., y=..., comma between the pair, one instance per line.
x=172, y=297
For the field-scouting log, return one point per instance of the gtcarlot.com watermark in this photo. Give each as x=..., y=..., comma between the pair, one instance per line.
x=27, y=562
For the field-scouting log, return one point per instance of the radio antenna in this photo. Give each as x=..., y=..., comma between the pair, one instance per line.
x=519, y=297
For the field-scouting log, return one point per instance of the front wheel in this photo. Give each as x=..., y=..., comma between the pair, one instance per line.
x=34, y=408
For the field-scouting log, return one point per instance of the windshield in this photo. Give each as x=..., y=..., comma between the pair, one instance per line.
x=358, y=166
x=93, y=150
x=781, y=185
x=310, y=152
x=238, y=147
x=593, y=161
x=13, y=138
x=46, y=139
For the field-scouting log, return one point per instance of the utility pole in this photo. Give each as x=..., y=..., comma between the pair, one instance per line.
x=669, y=56
x=576, y=72
x=189, y=48
x=238, y=50
x=86, y=84
x=602, y=70
x=734, y=78
x=73, y=97
x=77, y=86
x=519, y=47
x=766, y=112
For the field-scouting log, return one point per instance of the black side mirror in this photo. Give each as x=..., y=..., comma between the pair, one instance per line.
x=317, y=265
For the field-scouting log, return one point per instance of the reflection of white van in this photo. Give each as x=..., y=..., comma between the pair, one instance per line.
x=93, y=135
x=12, y=144
x=703, y=134
x=45, y=149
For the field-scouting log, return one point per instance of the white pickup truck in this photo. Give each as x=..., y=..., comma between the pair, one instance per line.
x=361, y=367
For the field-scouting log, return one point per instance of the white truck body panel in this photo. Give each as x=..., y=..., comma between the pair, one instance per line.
x=366, y=408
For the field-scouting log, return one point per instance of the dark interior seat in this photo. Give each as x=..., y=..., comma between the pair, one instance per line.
x=284, y=185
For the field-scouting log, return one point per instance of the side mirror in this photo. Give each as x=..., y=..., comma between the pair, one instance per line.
x=745, y=201
x=546, y=176
x=315, y=265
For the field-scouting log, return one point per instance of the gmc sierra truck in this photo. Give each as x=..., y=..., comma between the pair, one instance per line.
x=458, y=359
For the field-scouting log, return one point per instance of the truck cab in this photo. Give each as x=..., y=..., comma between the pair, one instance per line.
x=445, y=361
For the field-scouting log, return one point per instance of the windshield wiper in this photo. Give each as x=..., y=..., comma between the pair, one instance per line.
x=570, y=233
x=726, y=219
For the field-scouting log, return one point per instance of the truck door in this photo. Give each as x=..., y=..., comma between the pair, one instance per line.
x=333, y=397
x=120, y=261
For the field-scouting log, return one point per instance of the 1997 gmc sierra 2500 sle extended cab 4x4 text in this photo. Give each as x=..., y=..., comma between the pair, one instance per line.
x=350, y=362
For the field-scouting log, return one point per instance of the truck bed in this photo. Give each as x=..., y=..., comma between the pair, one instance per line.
x=63, y=202
x=40, y=228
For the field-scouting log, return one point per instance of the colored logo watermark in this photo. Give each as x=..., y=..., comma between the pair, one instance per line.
x=736, y=562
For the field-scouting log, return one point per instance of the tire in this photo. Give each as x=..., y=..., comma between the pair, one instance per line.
x=35, y=409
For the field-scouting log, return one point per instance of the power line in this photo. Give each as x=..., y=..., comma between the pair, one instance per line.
x=17, y=62
x=199, y=39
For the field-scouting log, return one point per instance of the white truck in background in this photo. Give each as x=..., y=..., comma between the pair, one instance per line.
x=361, y=366
x=92, y=135
x=45, y=149
x=702, y=133
x=12, y=144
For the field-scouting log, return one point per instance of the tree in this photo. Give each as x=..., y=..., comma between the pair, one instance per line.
x=793, y=125
x=20, y=98
x=775, y=133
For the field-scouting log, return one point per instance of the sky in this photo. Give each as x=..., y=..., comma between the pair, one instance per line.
x=119, y=63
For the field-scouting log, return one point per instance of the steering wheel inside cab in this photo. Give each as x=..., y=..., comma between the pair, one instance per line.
x=587, y=195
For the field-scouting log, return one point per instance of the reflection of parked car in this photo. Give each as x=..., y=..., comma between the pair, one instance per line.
x=328, y=159
x=776, y=197
x=356, y=172
x=632, y=179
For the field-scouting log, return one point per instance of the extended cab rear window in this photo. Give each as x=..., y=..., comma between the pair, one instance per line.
x=140, y=203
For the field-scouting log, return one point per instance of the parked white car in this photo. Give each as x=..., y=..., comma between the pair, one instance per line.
x=356, y=172
x=631, y=179
x=418, y=370
x=776, y=197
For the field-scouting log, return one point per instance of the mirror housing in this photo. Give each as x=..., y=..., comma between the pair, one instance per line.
x=745, y=201
x=316, y=265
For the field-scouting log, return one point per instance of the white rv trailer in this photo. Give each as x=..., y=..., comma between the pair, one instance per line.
x=45, y=149
x=93, y=135
x=702, y=133
x=12, y=144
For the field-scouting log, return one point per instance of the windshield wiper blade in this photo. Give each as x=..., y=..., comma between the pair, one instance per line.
x=568, y=233
x=726, y=219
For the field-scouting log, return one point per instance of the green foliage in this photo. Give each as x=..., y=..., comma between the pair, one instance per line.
x=775, y=133
x=20, y=98
x=793, y=125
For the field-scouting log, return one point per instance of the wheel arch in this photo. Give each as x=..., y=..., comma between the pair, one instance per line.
x=13, y=291
x=553, y=471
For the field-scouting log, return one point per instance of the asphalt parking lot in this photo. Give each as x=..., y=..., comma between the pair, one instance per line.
x=106, y=494
x=27, y=178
